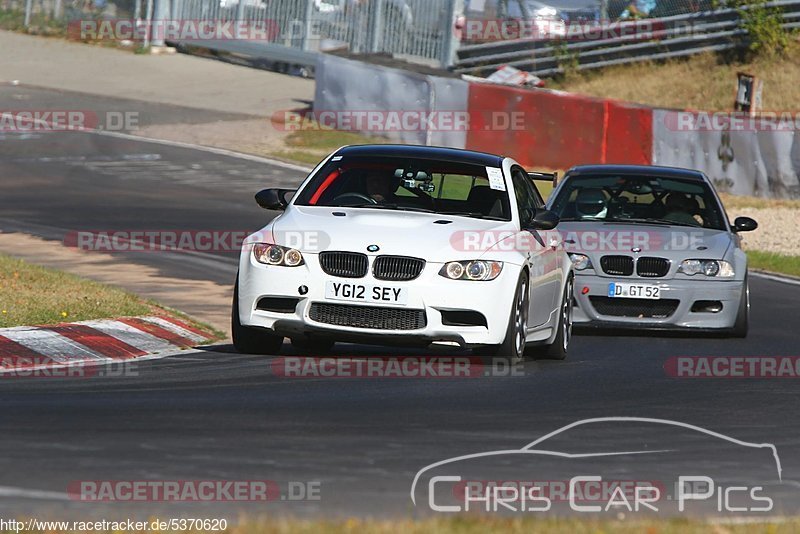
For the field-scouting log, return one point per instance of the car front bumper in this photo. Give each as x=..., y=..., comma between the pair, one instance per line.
x=431, y=294
x=684, y=304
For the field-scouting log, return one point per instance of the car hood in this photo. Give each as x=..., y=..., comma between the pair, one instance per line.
x=434, y=237
x=676, y=243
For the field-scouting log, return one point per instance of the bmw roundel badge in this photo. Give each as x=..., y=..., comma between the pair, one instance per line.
x=373, y=248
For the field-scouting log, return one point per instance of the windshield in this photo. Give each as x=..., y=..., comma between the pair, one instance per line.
x=447, y=188
x=646, y=199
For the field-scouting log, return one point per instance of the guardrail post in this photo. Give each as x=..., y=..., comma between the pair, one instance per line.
x=148, y=24
x=450, y=40
x=162, y=12
x=376, y=22
x=307, y=24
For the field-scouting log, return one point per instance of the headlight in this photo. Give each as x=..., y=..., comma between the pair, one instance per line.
x=471, y=270
x=580, y=262
x=719, y=268
x=269, y=254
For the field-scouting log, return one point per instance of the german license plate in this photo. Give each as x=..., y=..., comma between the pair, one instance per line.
x=366, y=293
x=634, y=291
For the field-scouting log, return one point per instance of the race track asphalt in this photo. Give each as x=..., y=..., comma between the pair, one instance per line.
x=215, y=414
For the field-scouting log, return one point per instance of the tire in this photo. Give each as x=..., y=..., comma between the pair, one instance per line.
x=312, y=346
x=741, y=326
x=249, y=340
x=512, y=349
x=560, y=346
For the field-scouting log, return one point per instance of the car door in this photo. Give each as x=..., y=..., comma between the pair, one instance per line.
x=543, y=254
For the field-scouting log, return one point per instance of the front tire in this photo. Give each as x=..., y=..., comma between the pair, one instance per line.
x=249, y=340
x=558, y=349
x=741, y=326
x=512, y=349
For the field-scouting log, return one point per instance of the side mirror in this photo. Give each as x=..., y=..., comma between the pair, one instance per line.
x=544, y=220
x=273, y=198
x=744, y=224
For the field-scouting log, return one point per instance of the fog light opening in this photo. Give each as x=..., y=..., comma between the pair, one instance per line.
x=707, y=306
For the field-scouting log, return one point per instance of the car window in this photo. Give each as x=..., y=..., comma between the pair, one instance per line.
x=445, y=187
x=523, y=190
x=681, y=202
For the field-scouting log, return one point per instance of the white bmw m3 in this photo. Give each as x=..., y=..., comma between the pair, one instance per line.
x=391, y=245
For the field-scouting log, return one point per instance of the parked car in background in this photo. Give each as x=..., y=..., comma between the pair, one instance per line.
x=652, y=247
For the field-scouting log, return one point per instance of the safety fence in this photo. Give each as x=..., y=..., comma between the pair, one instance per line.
x=473, y=36
x=590, y=46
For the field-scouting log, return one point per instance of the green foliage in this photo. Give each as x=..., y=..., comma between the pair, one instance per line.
x=567, y=61
x=763, y=25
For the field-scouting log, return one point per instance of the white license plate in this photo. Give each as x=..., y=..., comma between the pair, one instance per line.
x=634, y=291
x=365, y=293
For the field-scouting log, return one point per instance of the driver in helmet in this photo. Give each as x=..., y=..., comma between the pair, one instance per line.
x=591, y=204
x=381, y=188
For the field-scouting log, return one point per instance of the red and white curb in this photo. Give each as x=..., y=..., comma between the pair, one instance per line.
x=94, y=342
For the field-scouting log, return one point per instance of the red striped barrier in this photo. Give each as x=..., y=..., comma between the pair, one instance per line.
x=557, y=130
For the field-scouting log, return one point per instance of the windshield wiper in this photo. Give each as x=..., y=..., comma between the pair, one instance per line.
x=472, y=214
x=389, y=207
x=656, y=222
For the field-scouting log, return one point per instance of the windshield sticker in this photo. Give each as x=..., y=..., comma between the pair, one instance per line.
x=496, y=181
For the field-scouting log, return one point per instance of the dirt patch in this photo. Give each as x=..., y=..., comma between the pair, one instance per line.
x=777, y=229
x=255, y=136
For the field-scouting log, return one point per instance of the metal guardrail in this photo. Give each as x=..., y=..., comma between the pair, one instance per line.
x=647, y=40
x=414, y=30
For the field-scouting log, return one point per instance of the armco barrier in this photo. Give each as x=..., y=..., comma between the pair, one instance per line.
x=628, y=134
x=560, y=130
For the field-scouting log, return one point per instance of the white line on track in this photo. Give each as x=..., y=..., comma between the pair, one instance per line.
x=776, y=278
x=12, y=491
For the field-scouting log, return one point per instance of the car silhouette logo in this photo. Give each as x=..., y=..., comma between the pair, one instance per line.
x=373, y=248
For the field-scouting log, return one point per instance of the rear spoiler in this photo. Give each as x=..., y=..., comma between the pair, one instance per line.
x=544, y=176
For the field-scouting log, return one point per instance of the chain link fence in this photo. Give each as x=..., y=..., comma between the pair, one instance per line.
x=424, y=31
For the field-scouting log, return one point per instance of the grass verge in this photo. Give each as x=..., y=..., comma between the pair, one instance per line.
x=735, y=202
x=34, y=295
x=40, y=24
x=772, y=262
x=314, y=143
x=706, y=81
